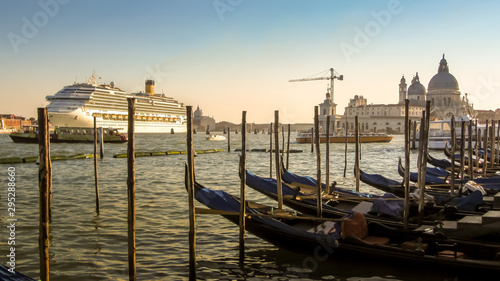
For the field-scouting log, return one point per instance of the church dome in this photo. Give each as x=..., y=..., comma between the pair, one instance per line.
x=416, y=88
x=198, y=112
x=443, y=79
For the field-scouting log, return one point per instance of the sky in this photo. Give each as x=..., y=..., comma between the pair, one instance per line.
x=229, y=56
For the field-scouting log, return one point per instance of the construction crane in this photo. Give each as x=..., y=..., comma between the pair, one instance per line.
x=332, y=77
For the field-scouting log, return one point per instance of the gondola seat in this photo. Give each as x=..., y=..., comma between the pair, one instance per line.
x=358, y=228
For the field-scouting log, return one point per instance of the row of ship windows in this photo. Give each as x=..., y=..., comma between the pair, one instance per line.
x=150, y=111
x=124, y=106
x=121, y=117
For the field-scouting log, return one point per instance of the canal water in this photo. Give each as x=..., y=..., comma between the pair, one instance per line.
x=85, y=246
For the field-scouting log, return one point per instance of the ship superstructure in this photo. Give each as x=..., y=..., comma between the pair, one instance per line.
x=77, y=104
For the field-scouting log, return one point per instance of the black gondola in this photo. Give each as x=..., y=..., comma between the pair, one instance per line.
x=441, y=163
x=429, y=177
x=384, y=184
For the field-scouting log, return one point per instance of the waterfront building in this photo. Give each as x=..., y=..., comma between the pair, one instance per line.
x=387, y=118
x=201, y=122
x=10, y=122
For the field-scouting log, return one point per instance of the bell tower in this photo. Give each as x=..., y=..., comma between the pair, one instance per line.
x=402, y=90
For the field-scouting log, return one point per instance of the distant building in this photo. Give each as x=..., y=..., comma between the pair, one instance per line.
x=380, y=117
x=386, y=117
x=12, y=122
x=483, y=115
x=200, y=122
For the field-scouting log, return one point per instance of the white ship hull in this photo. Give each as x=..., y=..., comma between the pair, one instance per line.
x=78, y=118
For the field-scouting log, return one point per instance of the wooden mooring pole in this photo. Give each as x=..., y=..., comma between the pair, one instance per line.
x=96, y=177
x=356, y=160
x=485, y=149
x=132, y=272
x=424, y=130
x=452, y=160
x=312, y=140
x=406, y=212
x=282, y=143
x=470, y=164
x=271, y=150
x=243, y=169
x=49, y=166
x=101, y=142
x=492, y=143
x=277, y=157
x=191, y=206
x=478, y=146
x=462, y=157
x=497, y=141
x=414, y=140
x=318, y=162
x=288, y=148
x=327, y=156
x=228, y=139
x=345, y=150
x=497, y=144
x=44, y=187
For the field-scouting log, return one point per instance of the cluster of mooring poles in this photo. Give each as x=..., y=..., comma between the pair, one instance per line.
x=273, y=132
x=45, y=187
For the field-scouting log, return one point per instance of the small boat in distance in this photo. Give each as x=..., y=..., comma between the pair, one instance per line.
x=305, y=137
x=29, y=134
x=216, y=137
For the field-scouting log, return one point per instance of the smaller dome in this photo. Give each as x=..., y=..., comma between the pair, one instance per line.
x=416, y=88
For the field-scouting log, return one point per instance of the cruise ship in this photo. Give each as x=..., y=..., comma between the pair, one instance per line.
x=77, y=104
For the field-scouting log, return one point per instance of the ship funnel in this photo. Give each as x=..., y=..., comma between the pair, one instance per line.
x=150, y=87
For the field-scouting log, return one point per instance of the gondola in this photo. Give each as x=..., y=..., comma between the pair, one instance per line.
x=429, y=177
x=490, y=185
x=352, y=236
x=297, y=180
x=396, y=187
x=383, y=183
x=441, y=163
x=480, y=152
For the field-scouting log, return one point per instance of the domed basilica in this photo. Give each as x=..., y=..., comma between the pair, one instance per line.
x=443, y=92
